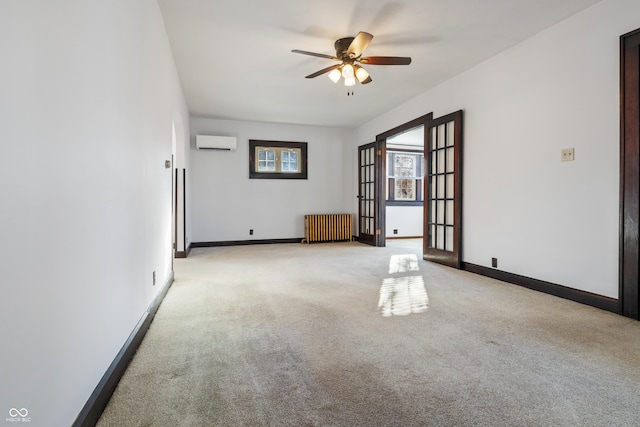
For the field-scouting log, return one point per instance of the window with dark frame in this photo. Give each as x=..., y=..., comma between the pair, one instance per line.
x=277, y=159
x=404, y=177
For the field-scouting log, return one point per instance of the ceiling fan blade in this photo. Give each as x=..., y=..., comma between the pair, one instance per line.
x=323, y=71
x=359, y=44
x=386, y=60
x=319, y=55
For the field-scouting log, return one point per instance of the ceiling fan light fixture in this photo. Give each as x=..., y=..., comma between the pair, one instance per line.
x=361, y=74
x=349, y=51
x=335, y=75
x=347, y=71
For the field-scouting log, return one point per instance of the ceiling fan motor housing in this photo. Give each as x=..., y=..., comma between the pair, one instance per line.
x=342, y=46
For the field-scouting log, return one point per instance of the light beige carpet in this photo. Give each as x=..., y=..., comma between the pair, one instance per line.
x=343, y=334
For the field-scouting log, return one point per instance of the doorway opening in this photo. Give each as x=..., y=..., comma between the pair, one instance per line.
x=373, y=182
x=404, y=184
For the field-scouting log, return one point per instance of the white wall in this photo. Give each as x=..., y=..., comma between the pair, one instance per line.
x=541, y=218
x=89, y=94
x=408, y=220
x=226, y=204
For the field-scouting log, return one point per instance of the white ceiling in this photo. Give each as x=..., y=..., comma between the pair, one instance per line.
x=235, y=62
x=413, y=138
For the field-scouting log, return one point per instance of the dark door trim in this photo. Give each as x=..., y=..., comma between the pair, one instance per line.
x=629, y=173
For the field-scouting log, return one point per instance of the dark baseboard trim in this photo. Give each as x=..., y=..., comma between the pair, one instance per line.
x=183, y=254
x=403, y=237
x=92, y=410
x=583, y=297
x=243, y=242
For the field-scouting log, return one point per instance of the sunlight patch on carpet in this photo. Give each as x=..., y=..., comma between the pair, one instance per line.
x=402, y=263
x=402, y=296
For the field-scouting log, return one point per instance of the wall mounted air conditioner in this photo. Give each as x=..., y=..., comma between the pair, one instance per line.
x=211, y=142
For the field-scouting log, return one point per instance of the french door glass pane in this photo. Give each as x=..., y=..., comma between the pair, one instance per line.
x=449, y=239
x=441, y=136
x=433, y=138
x=432, y=181
x=432, y=235
x=450, y=159
x=449, y=194
x=449, y=220
x=440, y=237
x=449, y=134
x=433, y=162
x=432, y=211
x=441, y=162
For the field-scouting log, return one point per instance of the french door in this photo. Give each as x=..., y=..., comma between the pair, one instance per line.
x=369, y=159
x=443, y=190
x=630, y=174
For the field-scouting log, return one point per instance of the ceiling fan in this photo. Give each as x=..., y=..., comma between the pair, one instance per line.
x=349, y=52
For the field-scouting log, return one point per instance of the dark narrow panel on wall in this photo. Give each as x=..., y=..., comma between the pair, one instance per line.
x=184, y=209
x=173, y=216
x=175, y=212
x=185, y=252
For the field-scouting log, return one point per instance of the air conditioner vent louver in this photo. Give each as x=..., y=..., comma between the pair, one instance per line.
x=211, y=142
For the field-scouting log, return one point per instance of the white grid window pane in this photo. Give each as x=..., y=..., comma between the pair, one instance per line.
x=440, y=237
x=450, y=134
x=441, y=136
x=450, y=159
x=266, y=160
x=449, y=239
x=449, y=194
x=449, y=219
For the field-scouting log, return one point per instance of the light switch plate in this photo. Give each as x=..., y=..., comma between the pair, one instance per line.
x=567, y=154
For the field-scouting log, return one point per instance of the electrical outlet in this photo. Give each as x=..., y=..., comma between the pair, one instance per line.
x=395, y=231
x=567, y=154
x=154, y=278
x=251, y=232
x=494, y=262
